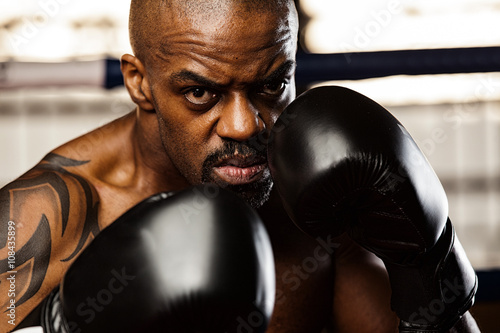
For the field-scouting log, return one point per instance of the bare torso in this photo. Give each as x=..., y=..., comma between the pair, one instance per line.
x=312, y=287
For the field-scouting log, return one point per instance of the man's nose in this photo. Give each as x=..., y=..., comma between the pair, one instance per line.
x=240, y=120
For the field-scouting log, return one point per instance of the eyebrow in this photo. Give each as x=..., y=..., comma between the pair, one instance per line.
x=186, y=75
x=280, y=72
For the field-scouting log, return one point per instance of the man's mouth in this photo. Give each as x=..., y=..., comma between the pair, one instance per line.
x=240, y=170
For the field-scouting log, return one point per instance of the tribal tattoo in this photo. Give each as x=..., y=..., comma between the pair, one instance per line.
x=50, y=185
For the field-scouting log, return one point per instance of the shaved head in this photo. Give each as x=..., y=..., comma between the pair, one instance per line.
x=145, y=16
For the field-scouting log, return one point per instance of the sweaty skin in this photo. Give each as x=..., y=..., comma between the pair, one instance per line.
x=209, y=83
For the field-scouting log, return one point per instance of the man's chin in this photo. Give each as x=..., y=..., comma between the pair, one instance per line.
x=255, y=194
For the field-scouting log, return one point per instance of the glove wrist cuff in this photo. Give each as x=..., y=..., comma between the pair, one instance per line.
x=432, y=297
x=406, y=327
x=52, y=319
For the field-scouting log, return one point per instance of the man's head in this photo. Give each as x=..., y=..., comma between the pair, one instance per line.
x=216, y=74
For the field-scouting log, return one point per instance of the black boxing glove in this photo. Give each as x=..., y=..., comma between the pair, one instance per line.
x=342, y=163
x=198, y=261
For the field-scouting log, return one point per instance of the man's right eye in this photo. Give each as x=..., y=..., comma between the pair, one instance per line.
x=200, y=96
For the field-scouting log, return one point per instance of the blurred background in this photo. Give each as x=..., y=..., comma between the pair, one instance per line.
x=434, y=64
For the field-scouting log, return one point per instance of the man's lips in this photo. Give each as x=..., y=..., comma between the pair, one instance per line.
x=238, y=171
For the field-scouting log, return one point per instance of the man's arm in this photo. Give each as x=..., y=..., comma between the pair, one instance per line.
x=362, y=294
x=47, y=216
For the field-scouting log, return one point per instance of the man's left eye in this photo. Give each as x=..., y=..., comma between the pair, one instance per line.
x=275, y=88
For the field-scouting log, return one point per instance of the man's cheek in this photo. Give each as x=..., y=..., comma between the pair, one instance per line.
x=198, y=167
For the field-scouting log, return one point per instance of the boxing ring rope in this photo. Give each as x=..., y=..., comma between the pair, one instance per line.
x=363, y=65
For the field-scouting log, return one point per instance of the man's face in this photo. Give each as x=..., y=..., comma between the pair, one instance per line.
x=218, y=86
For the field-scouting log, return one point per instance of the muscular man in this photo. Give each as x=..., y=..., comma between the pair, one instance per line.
x=209, y=79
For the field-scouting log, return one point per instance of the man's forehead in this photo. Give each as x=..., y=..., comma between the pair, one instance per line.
x=231, y=31
x=226, y=31
x=153, y=22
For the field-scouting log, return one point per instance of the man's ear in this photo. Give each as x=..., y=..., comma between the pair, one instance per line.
x=134, y=77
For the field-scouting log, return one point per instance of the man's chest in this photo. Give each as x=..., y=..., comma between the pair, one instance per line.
x=304, y=283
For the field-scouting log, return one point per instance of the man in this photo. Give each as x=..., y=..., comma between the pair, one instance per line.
x=209, y=79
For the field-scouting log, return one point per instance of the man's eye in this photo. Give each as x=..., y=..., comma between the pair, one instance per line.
x=200, y=96
x=275, y=88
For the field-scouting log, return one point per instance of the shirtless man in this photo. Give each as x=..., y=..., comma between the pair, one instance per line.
x=207, y=77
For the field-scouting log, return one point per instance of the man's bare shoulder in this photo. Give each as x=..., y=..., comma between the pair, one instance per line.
x=103, y=146
x=113, y=166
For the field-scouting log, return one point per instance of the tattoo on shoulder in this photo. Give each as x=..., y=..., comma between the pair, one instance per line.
x=49, y=176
